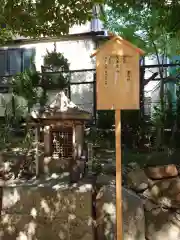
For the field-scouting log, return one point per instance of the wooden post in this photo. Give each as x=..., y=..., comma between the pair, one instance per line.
x=117, y=72
x=118, y=175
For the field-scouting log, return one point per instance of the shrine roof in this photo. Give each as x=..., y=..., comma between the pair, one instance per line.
x=60, y=108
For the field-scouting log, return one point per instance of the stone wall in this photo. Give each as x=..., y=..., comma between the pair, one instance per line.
x=159, y=188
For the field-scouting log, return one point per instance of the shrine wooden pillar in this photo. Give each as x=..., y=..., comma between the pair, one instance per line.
x=47, y=141
x=74, y=142
x=73, y=162
x=37, y=140
x=79, y=140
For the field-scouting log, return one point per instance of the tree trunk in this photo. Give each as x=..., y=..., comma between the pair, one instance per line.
x=160, y=130
x=142, y=72
x=29, y=108
x=13, y=106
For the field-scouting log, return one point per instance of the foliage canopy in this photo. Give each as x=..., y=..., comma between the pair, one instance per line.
x=168, y=11
x=37, y=18
x=56, y=62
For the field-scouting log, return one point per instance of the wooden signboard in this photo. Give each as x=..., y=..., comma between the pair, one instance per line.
x=117, y=84
x=117, y=71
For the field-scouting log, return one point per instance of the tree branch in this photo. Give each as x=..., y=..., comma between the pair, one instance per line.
x=146, y=81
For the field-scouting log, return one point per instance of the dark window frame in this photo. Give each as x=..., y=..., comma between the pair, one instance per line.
x=6, y=53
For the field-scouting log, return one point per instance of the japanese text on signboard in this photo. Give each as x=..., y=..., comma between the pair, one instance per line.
x=112, y=63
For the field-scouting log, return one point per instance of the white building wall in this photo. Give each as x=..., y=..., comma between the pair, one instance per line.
x=78, y=54
x=155, y=97
x=76, y=51
x=152, y=89
x=148, y=73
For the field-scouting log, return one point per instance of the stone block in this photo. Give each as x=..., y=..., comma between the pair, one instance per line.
x=18, y=226
x=51, y=206
x=161, y=172
x=137, y=180
x=25, y=227
x=133, y=214
x=50, y=197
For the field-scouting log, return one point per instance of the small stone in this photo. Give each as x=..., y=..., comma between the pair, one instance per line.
x=137, y=180
x=104, y=180
x=109, y=168
x=132, y=166
x=147, y=194
x=87, y=236
x=152, y=182
x=166, y=193
x=149, y=205
x=161, y=172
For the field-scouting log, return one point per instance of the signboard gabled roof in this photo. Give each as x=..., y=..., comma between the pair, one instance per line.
x=120, y=39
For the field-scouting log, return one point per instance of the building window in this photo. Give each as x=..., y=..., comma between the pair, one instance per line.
x=15, y=60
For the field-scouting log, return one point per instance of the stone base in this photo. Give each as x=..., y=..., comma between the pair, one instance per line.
x=51, y=165
x=47, y=209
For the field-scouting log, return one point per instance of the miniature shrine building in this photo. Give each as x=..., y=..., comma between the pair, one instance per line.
x=60, y=125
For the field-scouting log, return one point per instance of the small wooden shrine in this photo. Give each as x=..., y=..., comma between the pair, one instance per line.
x=60, y=127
